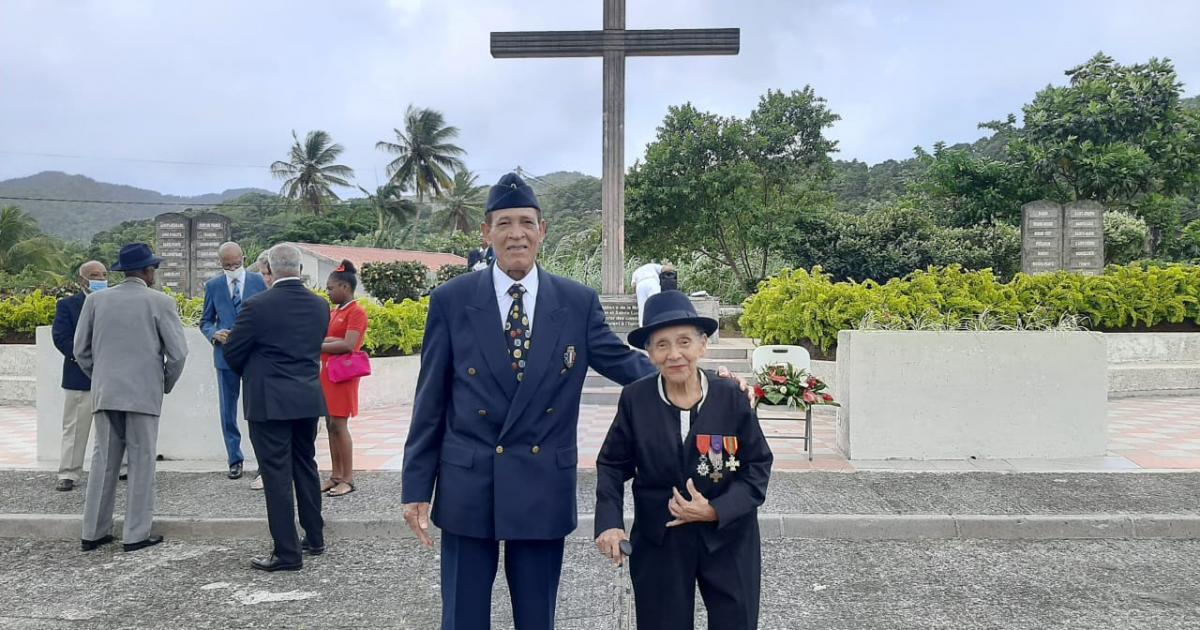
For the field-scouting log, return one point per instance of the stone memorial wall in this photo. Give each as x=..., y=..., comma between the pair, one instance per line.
x=188, y=247
x=1055, y=237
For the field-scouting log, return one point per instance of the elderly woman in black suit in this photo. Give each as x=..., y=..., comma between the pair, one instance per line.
x=699, y=463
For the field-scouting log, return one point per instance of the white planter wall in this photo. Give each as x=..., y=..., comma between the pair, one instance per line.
x=952, y=395
x=190, y=426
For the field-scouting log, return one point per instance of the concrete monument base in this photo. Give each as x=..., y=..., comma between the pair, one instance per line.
x=190, y=426
x=961, y=394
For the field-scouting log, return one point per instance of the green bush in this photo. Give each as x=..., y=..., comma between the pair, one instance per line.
x=395, y=281
x=1125, y=237
x=20, y=315
x=31, y=280
x=446, y=273
x=395, y=328
x=808, y=308
x=190, y=309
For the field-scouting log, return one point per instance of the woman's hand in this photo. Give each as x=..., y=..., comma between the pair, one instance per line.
x=695, y=511
x=335, y=345
x=609, y=543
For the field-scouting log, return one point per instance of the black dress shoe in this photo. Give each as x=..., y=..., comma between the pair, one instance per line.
x=124, y=477
x=235, y=471
x=92, y=545
x=273, y=564
x=312, y=551
x=149, y=542
x=65, y=485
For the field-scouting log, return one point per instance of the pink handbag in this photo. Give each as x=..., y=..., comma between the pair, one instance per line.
x=345, y=367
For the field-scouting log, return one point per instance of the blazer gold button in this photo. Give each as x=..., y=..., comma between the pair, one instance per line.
x=483, y=412
x=550, y=410
x=471, y=371
x=536, y=449
x=499, y=450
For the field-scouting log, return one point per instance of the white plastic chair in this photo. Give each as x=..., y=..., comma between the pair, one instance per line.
x=797, y=357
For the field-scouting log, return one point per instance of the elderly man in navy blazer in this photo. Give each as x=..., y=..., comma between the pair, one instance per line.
x=223, y=299
x=493, y=428
x=77, y=387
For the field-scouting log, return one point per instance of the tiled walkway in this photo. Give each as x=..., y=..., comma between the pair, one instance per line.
x=1144, y=434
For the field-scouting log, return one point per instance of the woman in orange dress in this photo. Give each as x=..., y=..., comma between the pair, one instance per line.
x=347, y=331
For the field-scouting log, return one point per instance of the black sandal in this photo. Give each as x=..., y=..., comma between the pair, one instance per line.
x=348, y=484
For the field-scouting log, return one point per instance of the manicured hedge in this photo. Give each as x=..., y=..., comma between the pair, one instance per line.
x=806, y=308
x=395, y=328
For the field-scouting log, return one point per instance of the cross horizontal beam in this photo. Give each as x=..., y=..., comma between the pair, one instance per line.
x=642, y=43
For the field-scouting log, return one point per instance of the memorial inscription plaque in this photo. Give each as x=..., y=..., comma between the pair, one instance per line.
x=1056, y=237
x=188, y=247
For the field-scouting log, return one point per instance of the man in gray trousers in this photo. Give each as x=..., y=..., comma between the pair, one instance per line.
x=130, y=342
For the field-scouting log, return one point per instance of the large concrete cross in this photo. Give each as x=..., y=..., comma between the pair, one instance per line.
x=614, y=43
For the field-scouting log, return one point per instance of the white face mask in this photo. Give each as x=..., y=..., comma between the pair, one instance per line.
x=236, y=274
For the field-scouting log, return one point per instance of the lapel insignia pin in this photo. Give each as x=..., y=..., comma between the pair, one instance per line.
x=569, y=357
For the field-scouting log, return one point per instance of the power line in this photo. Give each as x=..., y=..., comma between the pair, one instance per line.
x=132, y=159
x=226, y=204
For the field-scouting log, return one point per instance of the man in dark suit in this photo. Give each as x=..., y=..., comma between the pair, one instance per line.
x=505, y=355
x=223, y=299
x=77, y=387
x=275, y=346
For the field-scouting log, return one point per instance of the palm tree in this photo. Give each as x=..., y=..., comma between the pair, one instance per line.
x=310, y=172
x=463, y=202
x=22, y=244
x=425, y=153
x=392, y=211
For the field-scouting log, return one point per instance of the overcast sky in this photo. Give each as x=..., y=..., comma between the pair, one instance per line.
x=224, y=82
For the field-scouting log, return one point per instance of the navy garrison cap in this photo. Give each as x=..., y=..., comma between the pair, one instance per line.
x=511, y=192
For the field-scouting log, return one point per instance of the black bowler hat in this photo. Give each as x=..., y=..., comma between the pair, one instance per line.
x=511, y=192
x=135, y=256
x=669, y=308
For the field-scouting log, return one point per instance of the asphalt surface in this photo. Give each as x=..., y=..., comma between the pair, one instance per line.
x=378, y=494
x=825, y=584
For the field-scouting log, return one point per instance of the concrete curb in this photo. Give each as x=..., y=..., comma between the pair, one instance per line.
x=772, y=526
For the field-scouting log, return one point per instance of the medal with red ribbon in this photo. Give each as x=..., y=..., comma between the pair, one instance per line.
x=731, y=447
x=703, y=443
x=716, y=454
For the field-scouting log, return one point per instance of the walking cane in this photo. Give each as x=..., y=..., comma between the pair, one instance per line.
x=624, y=589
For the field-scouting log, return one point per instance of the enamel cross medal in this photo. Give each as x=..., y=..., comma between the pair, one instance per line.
x=712, y=459
x=731, y=447
x=702, y=444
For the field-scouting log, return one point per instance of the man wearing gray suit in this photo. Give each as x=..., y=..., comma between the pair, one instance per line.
x=130, y=343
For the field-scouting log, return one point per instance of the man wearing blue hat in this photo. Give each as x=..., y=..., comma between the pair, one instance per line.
x=505, y=355
x=130, y=342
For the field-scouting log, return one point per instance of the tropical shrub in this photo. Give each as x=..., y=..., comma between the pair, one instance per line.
x=807, y=308
x=395, y=327
x=395, y=281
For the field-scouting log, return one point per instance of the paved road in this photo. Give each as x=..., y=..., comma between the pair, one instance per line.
x=826, y=584
x=212, y=495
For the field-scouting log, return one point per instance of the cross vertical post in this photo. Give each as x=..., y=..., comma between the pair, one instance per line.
x=613, y=44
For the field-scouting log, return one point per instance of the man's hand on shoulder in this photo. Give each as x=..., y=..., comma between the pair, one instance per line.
x=724, y=372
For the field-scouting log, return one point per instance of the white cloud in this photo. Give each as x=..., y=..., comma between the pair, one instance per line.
x=225, y=81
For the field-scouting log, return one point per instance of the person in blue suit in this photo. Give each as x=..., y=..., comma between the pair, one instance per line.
x=493, y=429
x=223, y=299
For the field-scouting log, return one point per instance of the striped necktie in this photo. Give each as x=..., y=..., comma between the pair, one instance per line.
x=237, y=296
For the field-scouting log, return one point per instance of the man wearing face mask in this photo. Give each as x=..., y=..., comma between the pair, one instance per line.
x=77, y=387
x=223, y=299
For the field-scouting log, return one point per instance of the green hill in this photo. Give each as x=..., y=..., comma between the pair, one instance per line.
x=97, y=206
